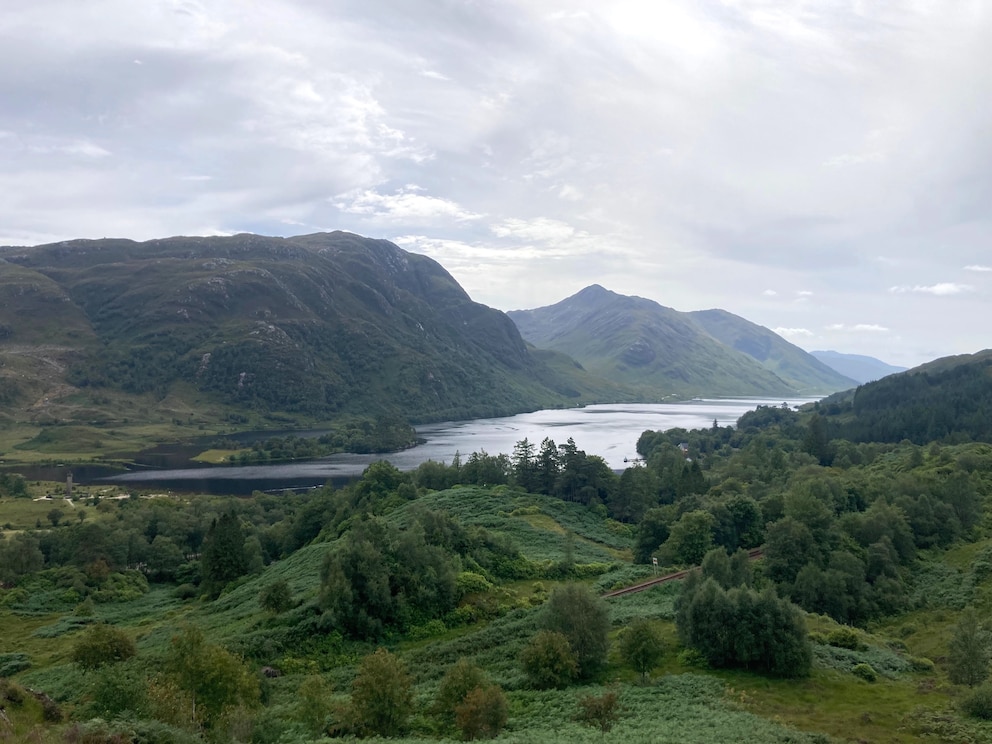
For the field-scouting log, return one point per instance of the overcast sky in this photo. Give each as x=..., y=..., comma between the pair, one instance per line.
x=821, y=168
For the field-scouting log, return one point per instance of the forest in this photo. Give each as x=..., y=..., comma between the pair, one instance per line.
x=464, y=600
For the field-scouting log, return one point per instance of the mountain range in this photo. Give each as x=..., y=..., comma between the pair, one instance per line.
x=857, y=366
x=248, y=329
x=314, y=326
x=652, y=347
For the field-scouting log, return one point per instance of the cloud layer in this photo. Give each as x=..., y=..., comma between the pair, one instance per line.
x=816, y=167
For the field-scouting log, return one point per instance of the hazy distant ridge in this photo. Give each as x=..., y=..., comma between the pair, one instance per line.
x=857, y=366
x=796, y=366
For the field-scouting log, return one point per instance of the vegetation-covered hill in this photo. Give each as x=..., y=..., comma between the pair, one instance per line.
x=232, y=328
x=798, y=368
x=949, y=399
x=857, y=366
x=460, y=600
x=638, y=342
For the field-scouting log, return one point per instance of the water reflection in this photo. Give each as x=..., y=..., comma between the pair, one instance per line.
x=610, y=431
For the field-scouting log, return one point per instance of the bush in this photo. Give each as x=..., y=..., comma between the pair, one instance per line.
x=599, y=712
x=970, y=651
x=469, y=582
x=381, y=695
x=978, y=703
x=116, y=690
x=102, y=644
x=276, y=597
x=844, y=637
x=482, y=714
x=460, y=679
x=186, y=591
x=430, y=629
x=313, y=707
x=865, y=671
x=549, y=662
x=12, y=663
x=641, y=647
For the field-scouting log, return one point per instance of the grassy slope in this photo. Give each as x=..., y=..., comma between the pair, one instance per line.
x=683, y=703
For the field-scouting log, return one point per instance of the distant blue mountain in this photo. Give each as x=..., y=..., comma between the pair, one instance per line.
x=857, y=366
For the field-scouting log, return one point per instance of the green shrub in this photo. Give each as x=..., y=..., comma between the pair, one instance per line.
x=430, y=629
x=187, y=591
x=844, y=637
x=602, y=711
x=469, y=582
x=276, y=597
x=978, y=703
x=641, y=647
x=460, y=679
x=482, y=714
x=865, y=671
x=12, y=663
x=102, y=644
x=690, y=657
x=549, y=662
x=118, y=689
x=381, y=695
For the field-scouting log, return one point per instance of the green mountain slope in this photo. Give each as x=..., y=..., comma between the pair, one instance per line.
x=857, y=366
x=314, y=326
x=947, y=399
x=797, y=367
x=633, y=341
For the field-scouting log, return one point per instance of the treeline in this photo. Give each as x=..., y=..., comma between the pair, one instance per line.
x=841, y=522
x=951, y=405
x=365, y=436
x=113, y=547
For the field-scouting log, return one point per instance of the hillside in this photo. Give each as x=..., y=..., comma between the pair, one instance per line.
x=946, y=399
x=264, y=619
x=637, y=342
x=254, y=329
x=857, y=366
x=807, y=374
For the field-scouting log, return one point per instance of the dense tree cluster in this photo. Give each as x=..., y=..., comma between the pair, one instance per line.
x=384, y=433
x=380, y=577
x=732, y=625
x=840, y=522
x=946, y=402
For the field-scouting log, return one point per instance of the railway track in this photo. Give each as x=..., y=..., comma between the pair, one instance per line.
x=633, y=589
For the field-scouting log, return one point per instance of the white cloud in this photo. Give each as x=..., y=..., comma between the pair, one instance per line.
x=664, y=151
x=789, y=332
x=804, y=293
x=406, y=204
x=540, y=229
x=858, y=328
x=770, y=293
x=941, y=289
x=870, y=328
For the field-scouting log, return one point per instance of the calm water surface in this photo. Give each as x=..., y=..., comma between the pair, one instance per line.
x=610, y=431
